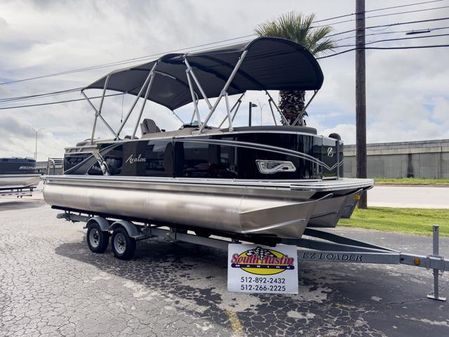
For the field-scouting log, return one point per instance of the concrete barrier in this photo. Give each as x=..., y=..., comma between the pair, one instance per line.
x=418, y=159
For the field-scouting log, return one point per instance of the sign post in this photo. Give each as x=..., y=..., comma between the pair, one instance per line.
x=259, y=269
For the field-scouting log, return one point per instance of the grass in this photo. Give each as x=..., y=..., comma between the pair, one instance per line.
x=412, y=181
x=405, y=220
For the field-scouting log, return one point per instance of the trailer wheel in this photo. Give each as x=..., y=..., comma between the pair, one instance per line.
x=97, y=240
x=123, y=246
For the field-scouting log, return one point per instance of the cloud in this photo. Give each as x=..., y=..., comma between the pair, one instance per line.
x=19, y=139
x=407, y=91
x=10, y=125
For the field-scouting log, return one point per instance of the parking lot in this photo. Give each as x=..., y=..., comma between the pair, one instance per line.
x=52, y=285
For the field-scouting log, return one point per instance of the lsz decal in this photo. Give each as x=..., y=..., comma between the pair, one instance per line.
x=262, y=261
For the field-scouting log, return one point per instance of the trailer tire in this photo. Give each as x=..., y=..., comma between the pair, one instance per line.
x=123, y=246
x=97, y=240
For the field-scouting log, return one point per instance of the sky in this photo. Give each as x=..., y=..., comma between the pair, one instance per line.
x=407, y=90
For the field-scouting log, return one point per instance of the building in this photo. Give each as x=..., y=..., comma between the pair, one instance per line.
x=418, y=159
x=51, y=166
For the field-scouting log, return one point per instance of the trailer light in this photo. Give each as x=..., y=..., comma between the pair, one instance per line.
x=274, y=166
x=417, y=261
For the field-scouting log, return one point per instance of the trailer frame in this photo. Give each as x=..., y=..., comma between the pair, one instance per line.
x=17, y=192
x=315, y=245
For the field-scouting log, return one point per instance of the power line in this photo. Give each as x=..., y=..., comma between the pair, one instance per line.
x=410, y=47
x=142, y=58
x=377, y=10
x=8, y=99
x=126, y=61
x=19, y=98
x=388, y=14
x=408, y=12
x=336, y=54
x=407, y=38
x=401, y=6
x=397, y=39
x=53, y=93
x=393, y=32
x=135, y=59
x=319, y=58
x=393, y=24
x=385, y=48
x=55, y=102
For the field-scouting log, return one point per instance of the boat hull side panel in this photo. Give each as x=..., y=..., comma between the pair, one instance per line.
x=231, y=213
x=227, y=156
x=18, y=181
x=328, y=213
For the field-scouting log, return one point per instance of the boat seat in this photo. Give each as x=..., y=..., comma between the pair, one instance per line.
x=149, y=126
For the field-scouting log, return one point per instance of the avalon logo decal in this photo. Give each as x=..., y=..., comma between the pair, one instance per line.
x=139, y=159
x=330, y=152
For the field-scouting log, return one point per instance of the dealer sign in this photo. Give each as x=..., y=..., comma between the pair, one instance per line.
x=259, y=269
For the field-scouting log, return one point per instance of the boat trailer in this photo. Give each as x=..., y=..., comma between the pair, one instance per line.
x=315, y=245
x=17, y=192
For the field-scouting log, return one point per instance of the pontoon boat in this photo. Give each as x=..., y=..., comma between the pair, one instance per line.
x=18, y=174
x=270, y=180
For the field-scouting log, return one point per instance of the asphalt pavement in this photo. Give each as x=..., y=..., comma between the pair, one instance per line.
x=52, y=285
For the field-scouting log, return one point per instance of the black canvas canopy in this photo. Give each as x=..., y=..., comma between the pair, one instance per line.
x=269, y=64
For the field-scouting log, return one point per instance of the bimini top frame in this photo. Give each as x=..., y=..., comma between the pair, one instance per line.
x=261, y=64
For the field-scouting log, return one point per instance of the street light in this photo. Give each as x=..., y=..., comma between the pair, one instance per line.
x=35, y=142
x=261, y=105
x=250, y=117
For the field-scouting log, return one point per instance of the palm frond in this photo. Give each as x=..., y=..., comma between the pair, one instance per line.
x=323, y=46
x=298, y=28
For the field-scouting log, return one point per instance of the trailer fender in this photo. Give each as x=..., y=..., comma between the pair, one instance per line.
x=102, y=222
x=130, y=228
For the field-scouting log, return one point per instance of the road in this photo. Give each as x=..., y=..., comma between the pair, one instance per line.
x=52, y=285
x=409, y=196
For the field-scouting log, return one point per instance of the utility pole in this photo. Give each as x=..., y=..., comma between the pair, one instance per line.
x=360, y=95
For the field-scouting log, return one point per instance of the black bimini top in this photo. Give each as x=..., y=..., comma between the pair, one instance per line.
x=270, y=64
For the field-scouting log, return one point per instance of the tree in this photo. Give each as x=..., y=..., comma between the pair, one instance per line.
x=298, y=28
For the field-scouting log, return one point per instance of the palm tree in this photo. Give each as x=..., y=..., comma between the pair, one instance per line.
x=298, y=28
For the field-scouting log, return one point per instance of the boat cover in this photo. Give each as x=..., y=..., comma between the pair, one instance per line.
x=270, y=64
